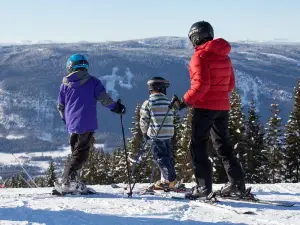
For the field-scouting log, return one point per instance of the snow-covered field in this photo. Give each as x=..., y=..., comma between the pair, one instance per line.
x=36, y=206
x=28, y=158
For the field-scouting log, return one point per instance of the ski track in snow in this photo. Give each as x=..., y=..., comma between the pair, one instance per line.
x=37, y=206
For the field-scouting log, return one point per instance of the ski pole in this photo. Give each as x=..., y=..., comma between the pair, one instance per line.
x=175, y=98
x=139, y=155
x=25, y=171
x=137, y=158
x=152, y=173
x=125, y=149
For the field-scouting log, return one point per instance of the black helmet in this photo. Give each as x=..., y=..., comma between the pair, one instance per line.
x=201, y=31
x=158, y=84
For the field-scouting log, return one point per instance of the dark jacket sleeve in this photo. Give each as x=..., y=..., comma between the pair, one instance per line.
x=102, y=96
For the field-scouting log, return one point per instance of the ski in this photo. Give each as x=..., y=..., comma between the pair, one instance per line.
x=247, y=196
x=210, y=201
x=253, y=199
x=213, y=201
x=180, y=188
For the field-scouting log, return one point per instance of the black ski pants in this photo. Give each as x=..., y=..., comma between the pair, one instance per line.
x=80, y=147
x=214, y=123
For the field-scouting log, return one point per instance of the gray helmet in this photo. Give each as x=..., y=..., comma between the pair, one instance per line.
x=158, y=84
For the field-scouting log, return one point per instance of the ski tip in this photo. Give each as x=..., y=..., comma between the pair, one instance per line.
x=179, y=198
x=249, y=213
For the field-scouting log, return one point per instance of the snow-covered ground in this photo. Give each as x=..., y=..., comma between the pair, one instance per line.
x=36, y=206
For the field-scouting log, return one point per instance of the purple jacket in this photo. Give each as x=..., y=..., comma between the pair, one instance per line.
x=78, y=96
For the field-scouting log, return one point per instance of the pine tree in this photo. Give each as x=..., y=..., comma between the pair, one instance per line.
x=237, y=127
x=41, y=181
x=256, y=162
x=120, y=169
x=136, y=141
x=21, y=180
x=101, y=168
x=51, y=175
x=175, y=144
x=112, y=164
x=14, y=182
x=273, y=145
x=183, y=163
x=107, y=159
x=8, y=183
x=292, y=141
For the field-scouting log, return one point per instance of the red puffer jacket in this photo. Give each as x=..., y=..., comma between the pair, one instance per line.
x=212, y=76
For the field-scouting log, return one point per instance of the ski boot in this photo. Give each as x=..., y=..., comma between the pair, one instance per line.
x=234, y=189
x=198, y=193
x=169, y=186
x=72, y=185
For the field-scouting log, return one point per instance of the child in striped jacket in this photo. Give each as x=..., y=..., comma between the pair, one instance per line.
x=152, y=114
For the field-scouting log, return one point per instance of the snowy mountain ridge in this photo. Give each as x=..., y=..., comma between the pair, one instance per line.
x=30, y=77
x=144, y=41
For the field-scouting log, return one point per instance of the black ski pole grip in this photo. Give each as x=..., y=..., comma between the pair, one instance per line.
x=174, y=99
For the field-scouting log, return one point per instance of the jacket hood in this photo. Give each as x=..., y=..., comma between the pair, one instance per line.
x=77, y=78
x=217, y=46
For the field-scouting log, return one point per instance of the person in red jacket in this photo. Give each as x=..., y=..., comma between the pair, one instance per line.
x=212, y=80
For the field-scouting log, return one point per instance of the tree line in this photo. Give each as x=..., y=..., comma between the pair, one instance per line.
x=268, y=154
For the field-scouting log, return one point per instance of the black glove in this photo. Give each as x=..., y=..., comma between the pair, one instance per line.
x=179, y=104
x=120, y=108
x=146, y=137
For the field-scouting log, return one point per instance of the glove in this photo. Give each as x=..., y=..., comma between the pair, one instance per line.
x=120, y=108
x=179, y=104
x=146, y=137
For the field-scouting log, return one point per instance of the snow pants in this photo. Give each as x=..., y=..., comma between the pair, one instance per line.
x=80, y=147
x=214, y=123
x=161, y=151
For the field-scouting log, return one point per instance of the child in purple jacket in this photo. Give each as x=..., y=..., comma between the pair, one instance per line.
x=78, y=96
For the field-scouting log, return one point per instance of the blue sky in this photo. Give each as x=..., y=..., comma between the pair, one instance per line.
x=102, y=20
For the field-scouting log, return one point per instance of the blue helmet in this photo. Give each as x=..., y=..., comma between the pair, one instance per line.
x=77, y=61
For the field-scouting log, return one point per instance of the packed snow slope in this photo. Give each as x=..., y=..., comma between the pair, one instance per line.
x=36, y=206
